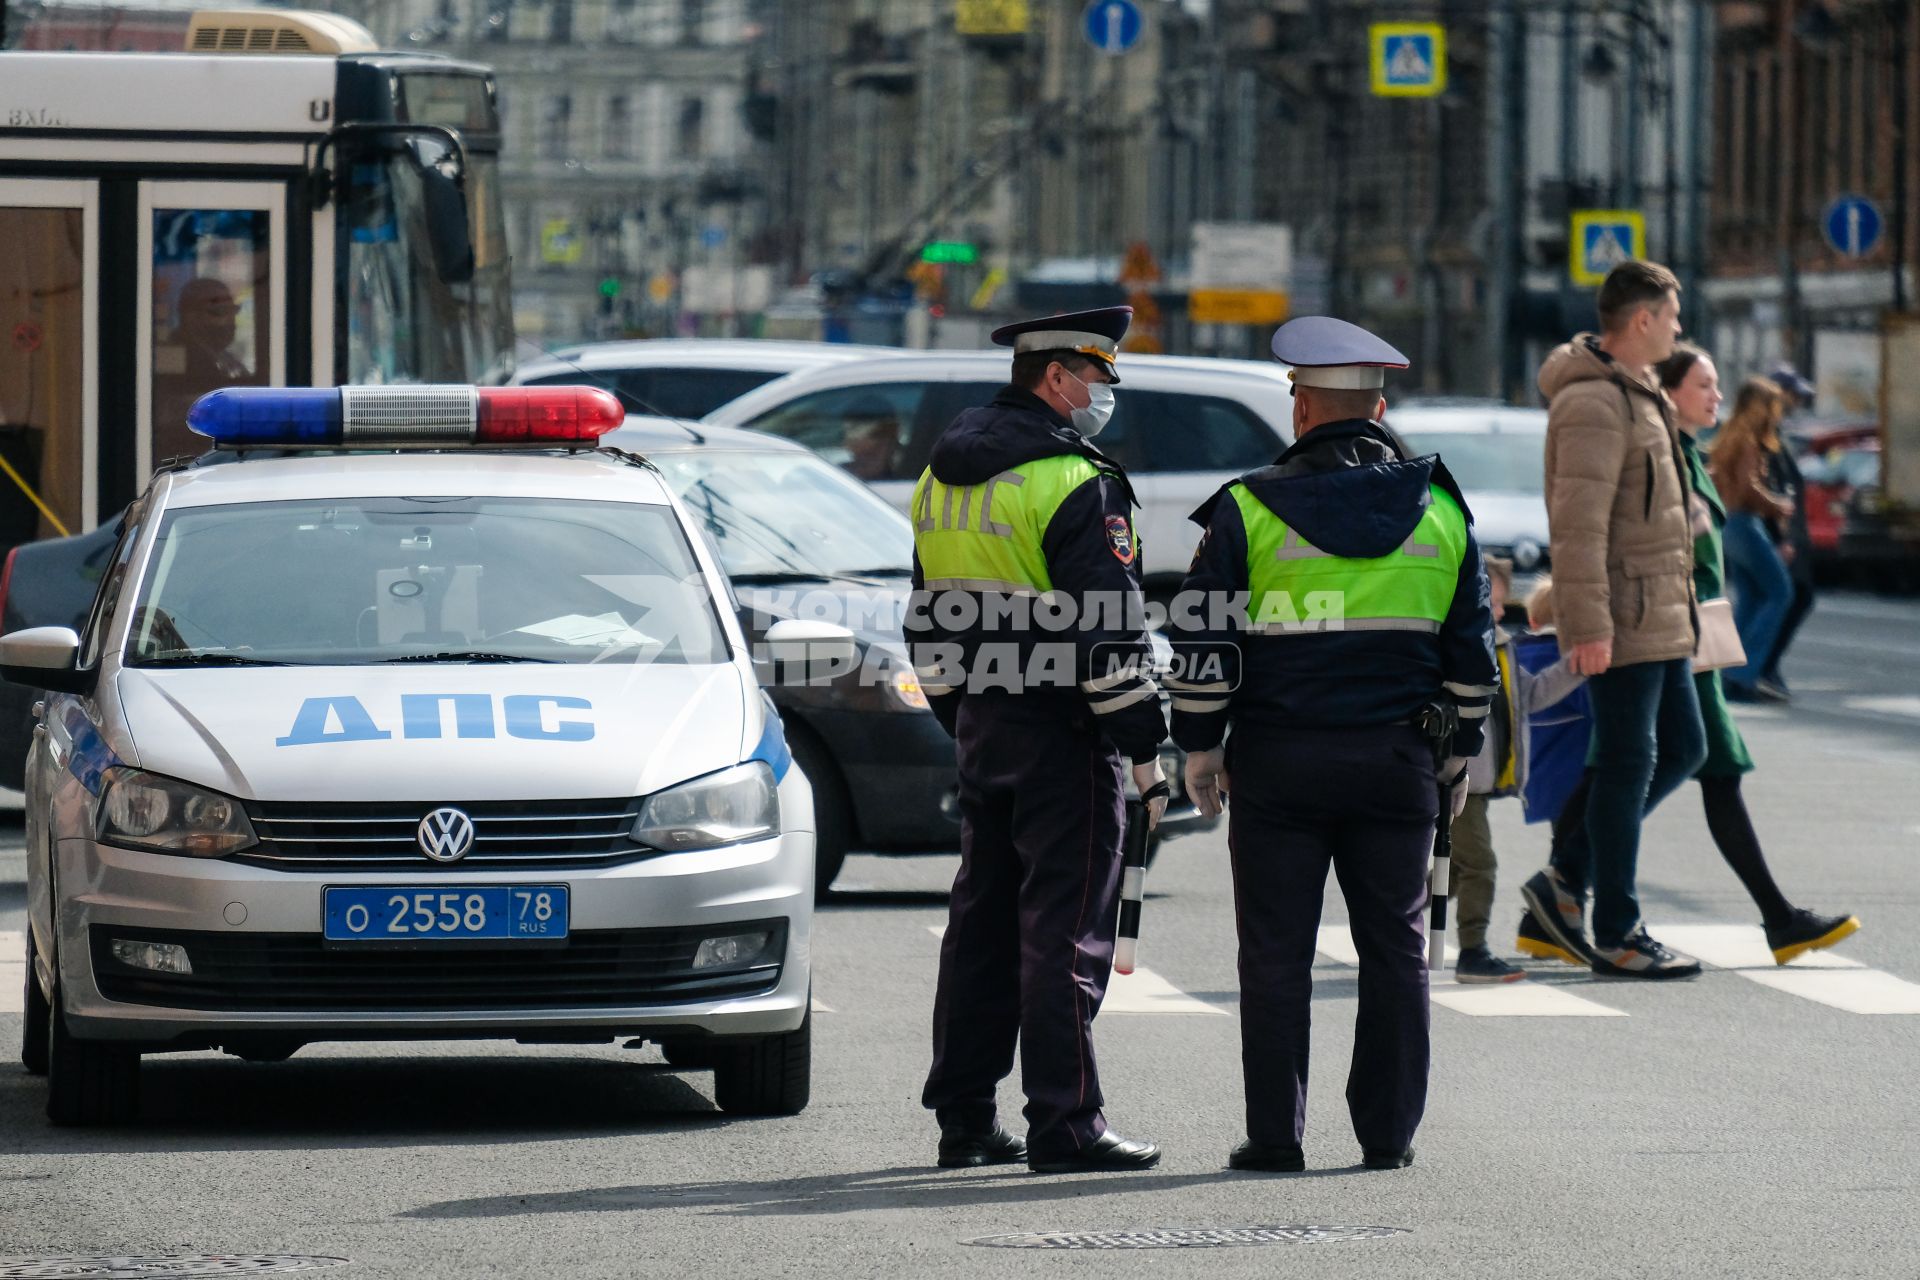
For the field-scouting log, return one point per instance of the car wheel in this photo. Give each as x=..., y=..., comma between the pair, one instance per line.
x=772, y=1076
x=832, y=811
x=33, y=1026
x=89, y=1082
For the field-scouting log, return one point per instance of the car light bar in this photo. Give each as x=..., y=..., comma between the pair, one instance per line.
x=333, y=417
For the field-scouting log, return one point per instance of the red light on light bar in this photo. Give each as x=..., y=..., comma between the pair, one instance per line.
x=535, y=415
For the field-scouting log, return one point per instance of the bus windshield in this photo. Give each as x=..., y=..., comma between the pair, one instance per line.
x=403, y=323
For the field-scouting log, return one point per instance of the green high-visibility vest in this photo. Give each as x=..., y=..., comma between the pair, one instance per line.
x=1296, y=588
x=986, y=537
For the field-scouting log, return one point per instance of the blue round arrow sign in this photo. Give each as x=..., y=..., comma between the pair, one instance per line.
x=1853, y=225
x=1113, y=26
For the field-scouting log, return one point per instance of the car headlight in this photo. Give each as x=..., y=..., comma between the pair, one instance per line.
x=904, y=685
x=140, y=810
x=741, y=803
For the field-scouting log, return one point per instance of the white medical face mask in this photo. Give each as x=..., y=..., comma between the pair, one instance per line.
x=1093, y=419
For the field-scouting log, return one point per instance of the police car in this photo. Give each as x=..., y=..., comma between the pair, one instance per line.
x=408, y=713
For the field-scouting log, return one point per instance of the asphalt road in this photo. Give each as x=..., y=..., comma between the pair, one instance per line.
x=1748, y=1124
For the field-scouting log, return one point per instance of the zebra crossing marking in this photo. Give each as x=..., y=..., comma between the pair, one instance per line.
x=1854, y=990
x=1739, y=946
x=13, y=971
x=1142, y=991
x=1525, y=999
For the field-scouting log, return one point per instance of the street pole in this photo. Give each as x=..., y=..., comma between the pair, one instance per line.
x=1899, y=45
x=1506, y=26
x=1699, y=164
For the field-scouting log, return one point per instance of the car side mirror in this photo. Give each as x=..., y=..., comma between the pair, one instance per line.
x=809, y=652
x=44, y=658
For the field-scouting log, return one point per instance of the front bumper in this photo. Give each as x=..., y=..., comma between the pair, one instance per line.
x=259, y=925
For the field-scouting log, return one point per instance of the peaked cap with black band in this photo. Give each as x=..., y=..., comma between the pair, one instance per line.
x=1330, y=353
x=1094, y=334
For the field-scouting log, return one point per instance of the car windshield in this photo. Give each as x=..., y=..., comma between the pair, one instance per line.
x=346, y=581
x=1487, y=461
x=788, y=514
x=667, y=392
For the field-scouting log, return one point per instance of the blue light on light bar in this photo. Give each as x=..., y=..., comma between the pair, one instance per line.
x=263, y=416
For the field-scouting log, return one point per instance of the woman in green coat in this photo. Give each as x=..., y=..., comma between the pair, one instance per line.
x=1693, y=385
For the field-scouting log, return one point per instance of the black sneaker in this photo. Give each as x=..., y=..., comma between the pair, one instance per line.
x=1559, y=913
x=1804, y=931
x=1639, y=956
x=1533, y=941
x=1771, y=691
x=1479, y=965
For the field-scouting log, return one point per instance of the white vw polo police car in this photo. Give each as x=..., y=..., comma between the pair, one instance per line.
x=410, y=713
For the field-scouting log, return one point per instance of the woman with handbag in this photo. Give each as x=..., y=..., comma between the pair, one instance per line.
x=1741, y=464
x=1691, y=382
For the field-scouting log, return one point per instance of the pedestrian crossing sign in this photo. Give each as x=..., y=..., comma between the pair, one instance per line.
x=1602, y=239
x=1409, y=59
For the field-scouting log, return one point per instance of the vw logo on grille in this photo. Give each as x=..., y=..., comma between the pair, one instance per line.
x=445, y=835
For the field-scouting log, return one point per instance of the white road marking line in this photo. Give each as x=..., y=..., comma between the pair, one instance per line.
x=821, y=1006
x=1142, y=991
x=1854, y=990
x=1895, y=706
x=1739, y=946
x=1523, y=999
x=13, y=986
x=1335, y=942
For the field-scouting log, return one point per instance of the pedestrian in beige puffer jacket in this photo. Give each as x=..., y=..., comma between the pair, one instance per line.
x=1616, y=508
x=1622, y=547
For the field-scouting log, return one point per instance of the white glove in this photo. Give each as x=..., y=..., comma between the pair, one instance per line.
x=1455, y=767
x=1207, y=782
x=1145, y=778
x=1459, y=795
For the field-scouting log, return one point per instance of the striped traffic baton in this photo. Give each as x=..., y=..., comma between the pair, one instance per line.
x=1133, y=883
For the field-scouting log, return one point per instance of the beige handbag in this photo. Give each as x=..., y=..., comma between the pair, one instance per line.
x=1719, y=644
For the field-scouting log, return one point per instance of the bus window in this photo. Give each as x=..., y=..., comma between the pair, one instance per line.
x=212, y=305
x=42, y=372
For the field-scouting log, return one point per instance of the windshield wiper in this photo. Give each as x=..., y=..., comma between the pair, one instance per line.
x=884, y=571
x=212, y=660
x=466, y=655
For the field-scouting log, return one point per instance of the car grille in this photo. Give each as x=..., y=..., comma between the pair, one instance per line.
x=297, y=973
x=507, y=833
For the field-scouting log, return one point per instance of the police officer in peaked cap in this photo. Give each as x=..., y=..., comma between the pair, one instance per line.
x=1018, y=521
x=1364, y=601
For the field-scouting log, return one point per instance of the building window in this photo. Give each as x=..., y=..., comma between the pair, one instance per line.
x=560, y=22
x=498, y=24
x=693, y=21
x=621, y=21
x=690, y=139
x=616, y=144
x=556, y=127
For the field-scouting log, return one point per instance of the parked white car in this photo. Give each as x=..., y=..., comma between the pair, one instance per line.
x=684, y=377
x=1498, y=454
x=1182, y=426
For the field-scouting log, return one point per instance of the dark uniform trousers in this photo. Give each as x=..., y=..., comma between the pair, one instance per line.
x=1030, y=929
x=1362, y=800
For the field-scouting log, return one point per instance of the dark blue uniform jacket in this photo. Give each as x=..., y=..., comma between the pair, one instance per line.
x=1346, y=488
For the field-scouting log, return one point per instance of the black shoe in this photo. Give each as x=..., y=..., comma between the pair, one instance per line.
x=1771, y=691
x=1479, y=965
x=1739, y=692
x=1387, y=1159
x=1533, y=941
x=971, y=1148
x=1560, y=913
x=1262, y=1157
x=1639, y=956
x=1804, y=931
x=1109, y=1153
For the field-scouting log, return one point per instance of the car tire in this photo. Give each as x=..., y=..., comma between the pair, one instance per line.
x=832, y=810
x=34, y=1023
x=772, y=1076
x=89, y=1082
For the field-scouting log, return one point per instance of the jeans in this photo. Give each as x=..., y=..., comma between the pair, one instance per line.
x=1762, y=591
x=1797, y=611
x=1647, y=740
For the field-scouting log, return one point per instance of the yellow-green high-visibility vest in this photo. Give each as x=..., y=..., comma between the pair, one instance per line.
x=1295, y=588
x=986, y=537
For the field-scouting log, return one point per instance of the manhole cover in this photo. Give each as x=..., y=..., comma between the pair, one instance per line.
x=1186, y=1237
x=110, y=1267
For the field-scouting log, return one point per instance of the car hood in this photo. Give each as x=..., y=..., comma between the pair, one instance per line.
x=560, y=731
x=1502, y=519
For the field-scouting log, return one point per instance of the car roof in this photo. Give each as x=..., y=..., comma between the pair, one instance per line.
x=1149, y=372
x=752, y=354
x=494, y=473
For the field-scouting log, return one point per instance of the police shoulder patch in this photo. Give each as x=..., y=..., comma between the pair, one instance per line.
x=1120, y=538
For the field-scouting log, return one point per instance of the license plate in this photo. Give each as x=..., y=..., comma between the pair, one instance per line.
x=413, y=913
